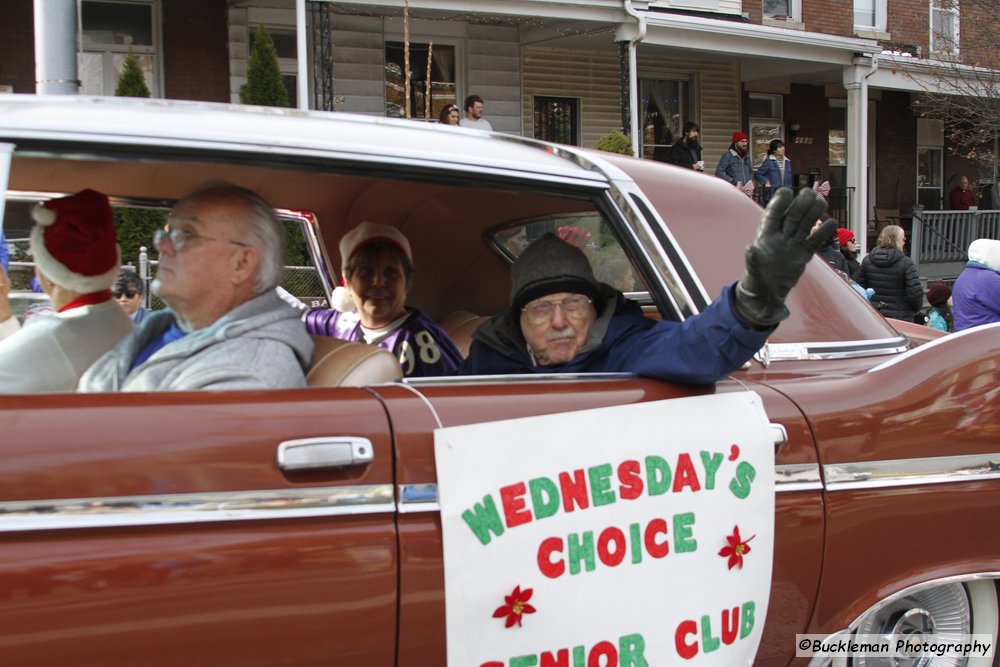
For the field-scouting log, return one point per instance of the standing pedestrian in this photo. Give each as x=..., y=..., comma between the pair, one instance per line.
x=961, y=197
x=687, y=151
x=849, y=249
x=449, y=115
x=976, y=294
x=893, y=276
x=939, y=315
x=776, y=169
x=829, y=252
x=735, y=166
x=474, y=114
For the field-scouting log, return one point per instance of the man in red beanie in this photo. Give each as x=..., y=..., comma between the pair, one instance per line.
x=735, y=166
x=77, y=261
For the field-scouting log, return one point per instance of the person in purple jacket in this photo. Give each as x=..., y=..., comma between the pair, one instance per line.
x=562, y=320
x=976, y=293
x=371, y=305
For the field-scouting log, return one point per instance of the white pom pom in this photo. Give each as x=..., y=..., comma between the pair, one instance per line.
x=341, y=300
x=43, y=215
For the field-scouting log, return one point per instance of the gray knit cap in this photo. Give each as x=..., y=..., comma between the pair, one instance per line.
x=547, y=266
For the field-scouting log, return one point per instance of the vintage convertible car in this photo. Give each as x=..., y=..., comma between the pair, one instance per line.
x=190, y=528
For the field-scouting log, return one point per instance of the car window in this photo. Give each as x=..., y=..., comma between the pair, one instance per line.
x=589, y=232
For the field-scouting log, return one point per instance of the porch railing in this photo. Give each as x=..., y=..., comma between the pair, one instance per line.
x=940, y=239
x=838, y=201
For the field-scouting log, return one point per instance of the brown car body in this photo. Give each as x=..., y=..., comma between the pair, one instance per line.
x=160, y=529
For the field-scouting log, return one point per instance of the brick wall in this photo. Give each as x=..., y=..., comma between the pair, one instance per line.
x=809, y=107
x=17, y=48
x=195, y=50
x=832, y=17
x=979, y=34
x=909, y=24
x=896, y=152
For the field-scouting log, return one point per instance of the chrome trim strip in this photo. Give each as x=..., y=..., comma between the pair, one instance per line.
x=797, y=477
x=506, y=379
x=910, y=472
x=415, y=498
x=836, y=350
x=788, y=477
x=115, y=511
x=949, y=340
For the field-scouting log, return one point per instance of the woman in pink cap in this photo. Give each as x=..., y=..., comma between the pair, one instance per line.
x=370, y=307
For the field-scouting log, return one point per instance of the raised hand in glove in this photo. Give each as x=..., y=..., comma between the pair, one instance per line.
x=779, y=254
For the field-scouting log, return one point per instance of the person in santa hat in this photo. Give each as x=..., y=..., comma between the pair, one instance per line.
x=76, y=260
x=221, y=256
x=371, y=305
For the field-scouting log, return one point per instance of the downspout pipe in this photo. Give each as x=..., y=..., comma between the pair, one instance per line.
x=56, y=47
x=633, y=76
x=302, y=66
x=856, y=83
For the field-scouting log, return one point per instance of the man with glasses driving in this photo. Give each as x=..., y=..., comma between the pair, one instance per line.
x=221, y=256
x=562, y=320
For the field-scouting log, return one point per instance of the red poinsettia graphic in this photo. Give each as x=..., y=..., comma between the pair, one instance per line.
x=516, y=606
x=736, y=549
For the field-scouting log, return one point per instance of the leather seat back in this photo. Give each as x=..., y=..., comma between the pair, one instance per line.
x=341, y=363
x=460, y=325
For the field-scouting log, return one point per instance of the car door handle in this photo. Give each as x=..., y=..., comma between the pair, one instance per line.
x=318, y=453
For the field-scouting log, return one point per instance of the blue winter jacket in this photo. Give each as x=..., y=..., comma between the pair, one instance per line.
x=768, y=172
x=701, y=350
x=733, y=168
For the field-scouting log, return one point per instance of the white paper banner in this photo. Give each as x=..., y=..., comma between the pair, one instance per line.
x=632, y=536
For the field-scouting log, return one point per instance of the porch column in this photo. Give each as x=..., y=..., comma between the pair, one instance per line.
x=55, y=48
x=633, y=33
x=302, y=57
x=856, y=83
x=626, y=87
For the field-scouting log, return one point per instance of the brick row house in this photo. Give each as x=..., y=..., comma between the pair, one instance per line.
x=835, y=79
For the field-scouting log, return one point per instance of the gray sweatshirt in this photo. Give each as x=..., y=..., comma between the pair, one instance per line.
x=260, y=344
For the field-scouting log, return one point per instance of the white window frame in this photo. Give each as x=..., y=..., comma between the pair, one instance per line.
x=777, y=102
x=795, y=8
x=881, y=10
x=109, y=51
x=951, y=44
x=692, y=99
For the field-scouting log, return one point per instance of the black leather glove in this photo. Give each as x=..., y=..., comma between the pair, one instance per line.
x=779, y=255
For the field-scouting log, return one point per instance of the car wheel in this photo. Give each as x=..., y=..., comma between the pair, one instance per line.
x=960, y=608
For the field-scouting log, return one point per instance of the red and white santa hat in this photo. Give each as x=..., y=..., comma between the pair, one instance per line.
x=74, y=242
x=363, y=235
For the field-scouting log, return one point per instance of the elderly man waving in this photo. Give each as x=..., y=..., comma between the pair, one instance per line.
x=220, y=259
x=562, y=320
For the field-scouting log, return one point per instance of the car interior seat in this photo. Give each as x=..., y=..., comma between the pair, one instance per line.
x=459, y=326
x=342, y=363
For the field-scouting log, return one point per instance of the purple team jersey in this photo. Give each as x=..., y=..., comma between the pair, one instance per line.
x=422, y=347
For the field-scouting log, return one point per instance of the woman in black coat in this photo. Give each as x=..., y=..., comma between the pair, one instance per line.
x=892, y=275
